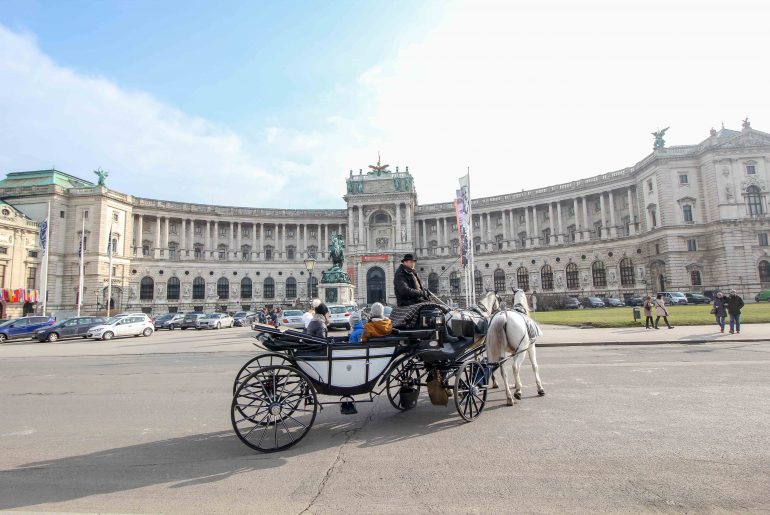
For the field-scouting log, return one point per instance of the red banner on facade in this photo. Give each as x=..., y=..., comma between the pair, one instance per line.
x=381, y=257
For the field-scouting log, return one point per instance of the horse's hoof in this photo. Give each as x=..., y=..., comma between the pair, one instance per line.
x=509, y=402
x=517, y=395
x=541, y=392
x=494, y=386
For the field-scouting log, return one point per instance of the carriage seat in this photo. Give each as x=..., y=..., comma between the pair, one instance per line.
x=449, y=351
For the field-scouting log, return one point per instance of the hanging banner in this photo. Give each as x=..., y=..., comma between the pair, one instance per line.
x=462, y=211
x=43, y=236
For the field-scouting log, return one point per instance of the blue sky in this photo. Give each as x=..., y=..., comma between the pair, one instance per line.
x=270, y=104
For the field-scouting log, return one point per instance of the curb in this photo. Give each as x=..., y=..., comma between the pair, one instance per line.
x=621, y=343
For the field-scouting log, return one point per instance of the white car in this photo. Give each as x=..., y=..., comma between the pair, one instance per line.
x=339, y=316
x=215, y=321
x=136, y=324
x=292, y=318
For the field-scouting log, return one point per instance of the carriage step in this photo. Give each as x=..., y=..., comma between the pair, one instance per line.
x=348, y=408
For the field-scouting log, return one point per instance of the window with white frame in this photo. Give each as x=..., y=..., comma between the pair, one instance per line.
x=692, y=245
x=687, y=212
x=649, y=185
x=751, y=168
x=115, y=217
x=683, y=179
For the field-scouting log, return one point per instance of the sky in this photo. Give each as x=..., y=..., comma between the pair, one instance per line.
x=270, y=104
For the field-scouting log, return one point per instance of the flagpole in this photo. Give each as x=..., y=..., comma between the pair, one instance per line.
x=81, y=270
x=46, y=253
x=472, y=245
x=109, y=282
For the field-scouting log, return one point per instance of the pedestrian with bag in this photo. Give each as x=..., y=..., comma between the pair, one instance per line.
x=734, y=306
x=648, y=323
x=661, y=311
x=719, y=310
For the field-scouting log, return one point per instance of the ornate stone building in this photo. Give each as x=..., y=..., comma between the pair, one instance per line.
x=684, y=218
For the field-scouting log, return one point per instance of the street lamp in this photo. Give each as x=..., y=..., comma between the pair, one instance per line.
x=310, y=265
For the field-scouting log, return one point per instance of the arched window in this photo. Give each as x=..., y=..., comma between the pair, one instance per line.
x=478, y=281
x=573, y=279
x=222, y=252
x=600, y=274
x=312, y=286
x=291, y=288
x=695, y=278
x=199, y=288
x=546, y=277
x=172, y=288
x=522, y=278
x=146, y=288
x=454, y=283
x=223, y=288
x=687, y=212
x=626, y=272
x=433, y=282
x=246, y=288
x=268, y=288
x=754, y=201
x=499, y=278
x=764, y=271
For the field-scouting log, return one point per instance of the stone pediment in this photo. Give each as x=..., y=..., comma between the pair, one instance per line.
x=748, y=138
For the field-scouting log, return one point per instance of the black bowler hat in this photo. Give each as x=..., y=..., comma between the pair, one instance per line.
x=409, y=257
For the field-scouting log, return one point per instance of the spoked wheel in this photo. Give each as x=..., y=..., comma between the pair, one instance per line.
x=274, y=408
x=403, y=384
x=264, y=359
x=470, y=390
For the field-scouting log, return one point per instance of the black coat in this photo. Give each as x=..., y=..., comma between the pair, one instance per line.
x=408, y=287
x=734, y=304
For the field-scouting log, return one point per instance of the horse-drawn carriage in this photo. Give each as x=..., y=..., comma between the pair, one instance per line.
x=276, y=393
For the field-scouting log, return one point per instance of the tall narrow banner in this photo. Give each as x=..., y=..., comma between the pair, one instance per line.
x=462, y=208
x=43, y=235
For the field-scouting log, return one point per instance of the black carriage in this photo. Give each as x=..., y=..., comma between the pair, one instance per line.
x=276, y=393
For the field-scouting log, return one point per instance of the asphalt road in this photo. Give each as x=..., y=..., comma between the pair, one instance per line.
x=142, y=425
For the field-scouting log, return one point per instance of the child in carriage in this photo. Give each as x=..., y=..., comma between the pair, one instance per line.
x=378, y=325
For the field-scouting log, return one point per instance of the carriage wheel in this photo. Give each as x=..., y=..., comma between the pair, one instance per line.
x=406, y=373
x=264, y=359
x=470, y=390
x=273, y=408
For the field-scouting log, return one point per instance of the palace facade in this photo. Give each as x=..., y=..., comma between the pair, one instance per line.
x=684, y=218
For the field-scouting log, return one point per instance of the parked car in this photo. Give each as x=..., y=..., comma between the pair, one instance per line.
x=136, y=324
x=24, y=327
x=293, y=318
x=243, y=318
x=612, y=302
x=571, y=303
x=76, y=327
x=168, y=321
x=673, y=297
x=339, y=316
x=764, y=295
x=387, y=311
x=696, y=298
x=215, y=321
x=635, y=301
x=190, y=320
x=592, y=302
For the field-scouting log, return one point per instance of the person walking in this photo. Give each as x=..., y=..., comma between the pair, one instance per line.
x=720, y=310
x=661, y=311
x=648, y=323
x=734, y=306
x=533, y=300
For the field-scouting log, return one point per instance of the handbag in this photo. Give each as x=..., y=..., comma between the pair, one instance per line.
x=714, y=311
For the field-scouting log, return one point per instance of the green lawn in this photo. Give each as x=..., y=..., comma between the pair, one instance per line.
x=623, y=317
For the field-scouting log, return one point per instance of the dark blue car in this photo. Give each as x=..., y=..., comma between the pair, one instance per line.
x=70, y=328
x=24, y=327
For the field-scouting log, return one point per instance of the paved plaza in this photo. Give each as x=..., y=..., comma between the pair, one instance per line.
x=142, y=425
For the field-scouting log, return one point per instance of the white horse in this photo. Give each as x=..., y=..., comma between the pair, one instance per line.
x=508, y=333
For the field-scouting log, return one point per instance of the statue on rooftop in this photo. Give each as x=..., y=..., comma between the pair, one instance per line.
x=102, y=174
x=659, y=141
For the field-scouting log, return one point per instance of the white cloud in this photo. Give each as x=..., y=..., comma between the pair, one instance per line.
x=53, y=116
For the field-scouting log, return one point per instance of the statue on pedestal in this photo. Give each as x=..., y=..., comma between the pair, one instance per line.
x=336, y=274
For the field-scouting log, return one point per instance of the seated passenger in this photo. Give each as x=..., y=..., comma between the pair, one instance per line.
x=307, y=316
x=357, y=328
x=318, y=325
x=378, y=325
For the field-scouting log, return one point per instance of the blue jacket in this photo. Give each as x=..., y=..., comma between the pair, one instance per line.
x=355, y=334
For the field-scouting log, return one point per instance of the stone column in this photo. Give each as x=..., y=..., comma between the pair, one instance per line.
x=140, y=235
x=350, y=234
x=504, y=214
x=631, y=226
x=261, y=248
x=238, y=240
x=602, y=216
x=551, y=225
x=535, y=231
x=613, y=227
x=578, y=225
x=360, y=225
x=157, y=237
x=423, y=240
x=409, y=223
x=283, y=241
x=183, y=239
x=398, y=223
x=215, y=250
x=526, y=227
x=560, y=238
x=586, y=227
x=513, y=237
x=230, y=240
